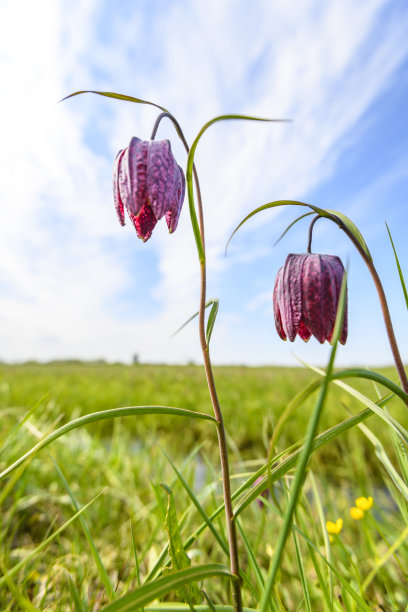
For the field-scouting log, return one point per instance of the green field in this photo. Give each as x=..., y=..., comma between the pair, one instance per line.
x=126, y=459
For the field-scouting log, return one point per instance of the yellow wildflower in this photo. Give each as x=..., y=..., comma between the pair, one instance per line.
x=334, y=527
x=356, y=513
x=364, y=503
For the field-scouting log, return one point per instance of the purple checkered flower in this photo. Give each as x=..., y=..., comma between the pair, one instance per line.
x=148, y=182
x=306, y=296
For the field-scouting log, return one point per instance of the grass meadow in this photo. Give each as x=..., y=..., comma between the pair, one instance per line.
x=154, y=479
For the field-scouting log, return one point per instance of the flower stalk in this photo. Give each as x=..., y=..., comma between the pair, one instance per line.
x=381, y=296
x=222, y=441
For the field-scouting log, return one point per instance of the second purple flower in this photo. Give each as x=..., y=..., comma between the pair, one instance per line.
x=306, y=296
x=148, y=182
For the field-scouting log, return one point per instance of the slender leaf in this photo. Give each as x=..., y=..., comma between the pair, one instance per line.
x=103, y=574
x=251, y=557
x=198, y=506
x=344, y=582
x=380, y=562
x=402, y=280
x=110, y=94
x=211, y=319
x=163, y=585
x=391, y=422
x=385, y=460
x=335, y=216
x=179, y=558
x=302, y=571
x=291, y=225
x=99, y=416
x=171, y=606
x=189, y=173
x=210, y=302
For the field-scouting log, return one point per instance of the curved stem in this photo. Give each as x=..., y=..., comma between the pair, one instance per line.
x=311, y=226
x=383, y=303
x=222, y=441
x=187, y=148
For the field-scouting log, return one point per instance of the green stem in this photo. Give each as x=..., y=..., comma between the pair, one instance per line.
x=381, y=296
x=198, y=228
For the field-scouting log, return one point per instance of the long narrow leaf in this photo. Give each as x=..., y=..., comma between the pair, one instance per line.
x=189, y=172
x=291, y=225
x=171, y=606
x=198, y=506
x=103, y=574
x=100, y=416
x=391, y=422
x=385, y=460
x=163, y=585
x=402, y=280
x=211, y=320
x=208, y=303
x=338, y=218
x=110, y=94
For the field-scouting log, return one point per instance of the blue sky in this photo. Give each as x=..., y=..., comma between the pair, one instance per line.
x=73, y=283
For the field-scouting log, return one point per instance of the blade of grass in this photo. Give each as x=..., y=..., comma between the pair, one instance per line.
x=361, y=604
x=402, y=280
x=47, y=541
x=390, y=552
x=103, y=574
x=210, y=302
x=385, y=460
x=99, y=416
x=211, y=320
x=300, y=563
x=198, y=506
x=163, y=585
x=178, y=607
x=389, y=420
x=252, y=559
x=322, y=520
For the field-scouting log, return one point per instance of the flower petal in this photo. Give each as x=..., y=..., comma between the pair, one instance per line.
x=135, y=175
x=277, y=295
x=116, y=193
x=316, y=302
x=303, y=332
x=172, y=215
x=337, y=271
x=144, y=222
x=161, y=188
x=291, y=303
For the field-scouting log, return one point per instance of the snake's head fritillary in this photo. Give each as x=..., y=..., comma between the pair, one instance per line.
x=306, y=296
x=148, y=182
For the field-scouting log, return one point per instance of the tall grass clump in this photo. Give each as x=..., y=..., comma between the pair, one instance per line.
x=162, y=504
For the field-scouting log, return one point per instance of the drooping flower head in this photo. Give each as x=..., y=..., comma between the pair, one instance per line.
x=148, y=182
x=306, y=296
